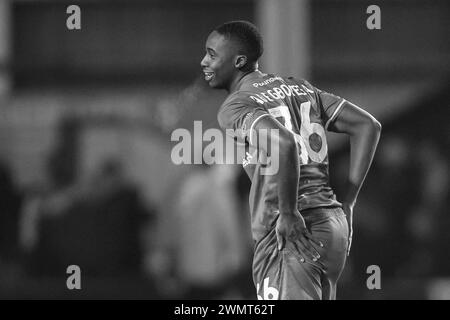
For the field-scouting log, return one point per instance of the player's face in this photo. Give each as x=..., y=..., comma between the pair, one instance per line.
x=219, y=62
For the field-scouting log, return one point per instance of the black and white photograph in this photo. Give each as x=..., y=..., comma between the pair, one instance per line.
x=229, y=150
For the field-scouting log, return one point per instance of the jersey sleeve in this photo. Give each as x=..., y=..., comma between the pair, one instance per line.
x=238, y=118
x=330, y=104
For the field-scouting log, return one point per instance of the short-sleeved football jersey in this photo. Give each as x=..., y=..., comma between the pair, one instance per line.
x=306, y=112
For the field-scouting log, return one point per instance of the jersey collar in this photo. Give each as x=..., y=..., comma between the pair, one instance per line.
x=252, y=75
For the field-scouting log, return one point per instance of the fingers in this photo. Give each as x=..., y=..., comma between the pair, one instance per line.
x=350, y=237
x=299, y=252
x=349, y=245
x=307, y=248
x=308, y=241
x=310, y=237
x=280, y=241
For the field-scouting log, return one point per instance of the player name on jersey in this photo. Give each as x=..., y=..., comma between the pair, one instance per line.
x=278, y=93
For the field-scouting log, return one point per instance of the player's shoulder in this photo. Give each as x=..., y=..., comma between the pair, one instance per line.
x=239, y=96
x=305, y=84
x=238, y=99
x=237, y=105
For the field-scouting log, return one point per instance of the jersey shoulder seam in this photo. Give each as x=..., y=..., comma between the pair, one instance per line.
x=232, y=98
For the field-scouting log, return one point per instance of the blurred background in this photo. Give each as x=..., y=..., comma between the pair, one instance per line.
x=86, y=118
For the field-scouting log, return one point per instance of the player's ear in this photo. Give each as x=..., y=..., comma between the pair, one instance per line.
x=240, y=61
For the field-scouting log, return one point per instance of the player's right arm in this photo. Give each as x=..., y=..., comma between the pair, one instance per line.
x=283, y=148
x=252, y=121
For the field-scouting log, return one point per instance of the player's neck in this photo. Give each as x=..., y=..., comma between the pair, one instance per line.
x=237, y=79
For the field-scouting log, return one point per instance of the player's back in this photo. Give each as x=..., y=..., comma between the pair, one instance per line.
x=306, y=112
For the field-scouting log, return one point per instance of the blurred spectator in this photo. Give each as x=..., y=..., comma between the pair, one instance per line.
x=402, y=219
x=429, y=221
x=10, y=205
x=62, y=163
x=94, y=223
x=383, y=211
x=210, y=246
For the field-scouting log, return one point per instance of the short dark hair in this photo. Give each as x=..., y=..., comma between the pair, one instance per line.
x=248, y=36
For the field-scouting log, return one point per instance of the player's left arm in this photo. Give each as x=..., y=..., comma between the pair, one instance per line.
x=364, y=132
